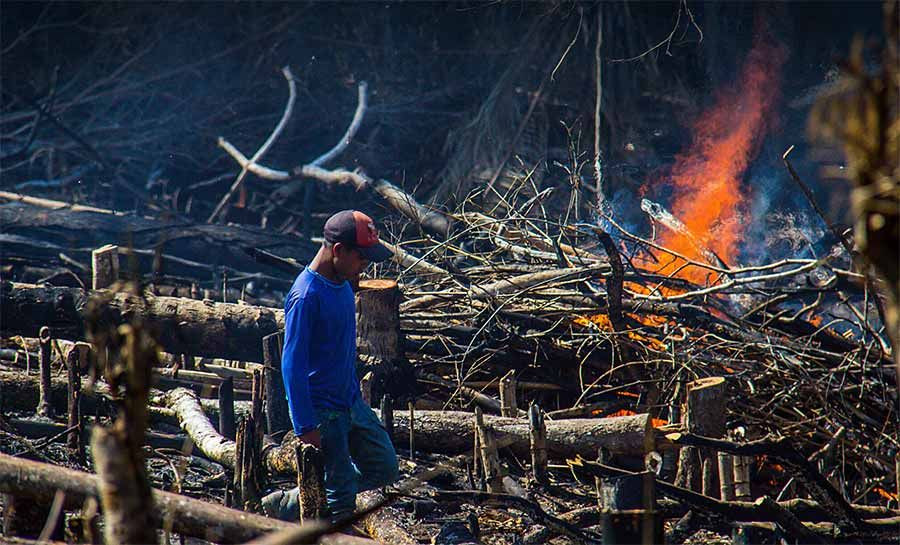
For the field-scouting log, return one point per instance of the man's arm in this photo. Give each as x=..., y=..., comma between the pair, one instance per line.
x=295, y=364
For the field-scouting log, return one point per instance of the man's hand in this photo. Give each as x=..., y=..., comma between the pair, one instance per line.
x=312, y=437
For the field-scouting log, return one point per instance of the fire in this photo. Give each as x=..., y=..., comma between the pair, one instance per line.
x=603, y=323
x=655, y=422
x=706, y=179
x=655, y=290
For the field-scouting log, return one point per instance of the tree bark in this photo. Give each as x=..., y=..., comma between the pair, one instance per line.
x=190, y=517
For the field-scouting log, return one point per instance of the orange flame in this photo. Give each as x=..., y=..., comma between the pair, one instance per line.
x=707, y=194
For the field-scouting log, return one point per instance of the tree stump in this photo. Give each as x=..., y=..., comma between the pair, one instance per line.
x=226, y=408
x=490, y=460
x=703, y=414
x=378, y=336
x=378, y=319
x=104, y=266
x=508, y=405
x=629, y=509
x=74, y=364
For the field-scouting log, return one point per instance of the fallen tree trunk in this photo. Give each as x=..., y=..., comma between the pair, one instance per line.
x=188, y=516
x=439, y=431
x=279, y=460
x=33, y=228
x=182, y=326
x=451, y=432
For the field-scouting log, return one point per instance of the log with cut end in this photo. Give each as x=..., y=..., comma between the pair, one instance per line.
x=195, y=422
x=182, y=326
x=441, y=431
x=383, y=524
x=378, y=318
x=188, y=516
x=452, y=432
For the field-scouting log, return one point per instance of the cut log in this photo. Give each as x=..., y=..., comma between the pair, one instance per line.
x=182, y=325
x=452, y=432
x=195, y=422
x=382, y=525
x=188, y=516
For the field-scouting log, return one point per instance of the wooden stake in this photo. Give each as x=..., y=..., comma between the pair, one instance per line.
x=412, y=442
x=477, y=470
x=278, y=418
x=311, y=482
x=226, y=408
x=105, y=266
x=508, y=405
x=726, y=477
x=742, y=477
x=73, y=368
x=538, y=433
x=365, y=388
x=387, y=415
x=45, y=408
x=490, y=460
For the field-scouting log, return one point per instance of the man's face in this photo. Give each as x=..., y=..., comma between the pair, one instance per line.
x=348, y=262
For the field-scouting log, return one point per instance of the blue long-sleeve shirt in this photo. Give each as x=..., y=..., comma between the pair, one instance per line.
x=318, y=363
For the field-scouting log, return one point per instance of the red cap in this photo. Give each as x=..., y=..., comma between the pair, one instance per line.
x=353, y=228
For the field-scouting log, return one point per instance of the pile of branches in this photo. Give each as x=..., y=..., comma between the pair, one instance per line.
x=586, y=323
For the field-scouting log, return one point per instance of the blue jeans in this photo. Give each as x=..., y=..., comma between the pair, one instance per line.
x=358, y=456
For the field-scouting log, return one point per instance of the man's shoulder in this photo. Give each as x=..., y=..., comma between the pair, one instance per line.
x=303, y=289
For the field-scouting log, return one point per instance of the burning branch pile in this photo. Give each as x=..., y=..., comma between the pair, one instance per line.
x=803, y=356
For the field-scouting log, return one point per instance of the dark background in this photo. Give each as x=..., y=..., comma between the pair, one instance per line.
x=149, y=87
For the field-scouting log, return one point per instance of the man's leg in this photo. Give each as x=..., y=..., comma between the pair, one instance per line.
x=371, y=449
x=340, y=474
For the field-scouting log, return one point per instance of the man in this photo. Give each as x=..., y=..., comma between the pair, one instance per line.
x=319, y=370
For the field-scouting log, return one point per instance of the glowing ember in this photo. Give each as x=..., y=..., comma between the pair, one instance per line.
x=706, y=179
